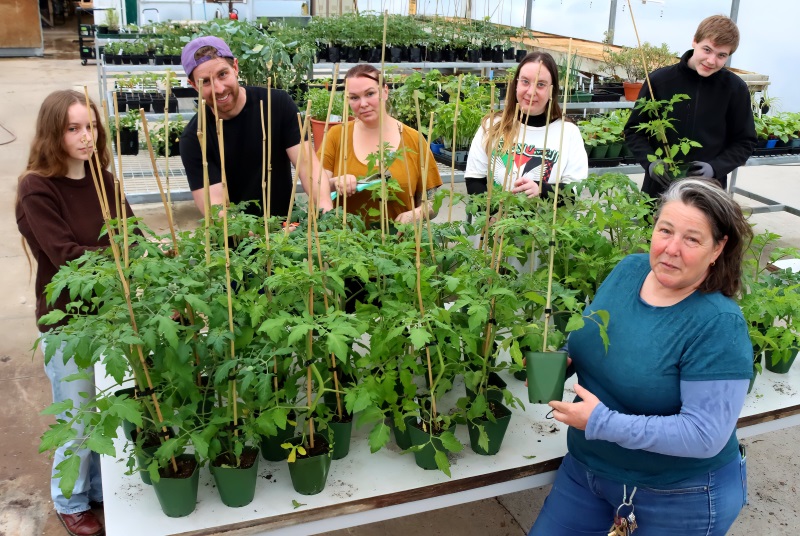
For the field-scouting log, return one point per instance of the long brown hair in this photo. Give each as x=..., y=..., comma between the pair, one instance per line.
x=47, y=157
x=505, y=128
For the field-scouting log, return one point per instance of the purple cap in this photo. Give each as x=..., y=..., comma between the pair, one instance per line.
x=187, y=56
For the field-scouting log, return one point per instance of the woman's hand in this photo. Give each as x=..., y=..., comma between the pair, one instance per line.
x=575, y=414
x=526, y=186
x=408, y=216
x=344, y=184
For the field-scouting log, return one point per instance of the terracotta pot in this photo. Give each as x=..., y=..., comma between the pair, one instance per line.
x=632, y=90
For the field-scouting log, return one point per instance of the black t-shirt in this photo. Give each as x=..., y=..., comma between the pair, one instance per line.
x=243, y=150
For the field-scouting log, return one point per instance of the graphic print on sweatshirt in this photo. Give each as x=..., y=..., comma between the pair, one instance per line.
x=527, y=162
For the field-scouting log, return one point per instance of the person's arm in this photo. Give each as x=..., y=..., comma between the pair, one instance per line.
x=317, y=181
x=708, y=415
x=192, y=160
x=53, y=234
x=477, y=171
x=215, y=194
x=740, y=137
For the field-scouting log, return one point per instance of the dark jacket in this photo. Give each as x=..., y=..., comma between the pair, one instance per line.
x=717, y=115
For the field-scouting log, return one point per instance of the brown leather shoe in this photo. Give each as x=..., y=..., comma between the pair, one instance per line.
x=82, y=524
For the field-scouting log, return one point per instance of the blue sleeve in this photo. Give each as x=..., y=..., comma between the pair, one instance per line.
x=709, y=411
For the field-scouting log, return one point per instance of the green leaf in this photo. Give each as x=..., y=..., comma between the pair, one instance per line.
x=369, y=415
x=419, y=337
x=96, y=442
x=169, y=329
x=483, y=438
x=126, y=409
x=338, y=345
x=575, y=322
x=295, y=503
x=68, y=471
x=378, y=437
x=450, y=442
x=57, y=408
x=442, y=463
x=298, y=332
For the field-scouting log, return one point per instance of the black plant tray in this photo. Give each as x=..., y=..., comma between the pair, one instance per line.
x=448, y=160
x=604, y=162
x=772, y=152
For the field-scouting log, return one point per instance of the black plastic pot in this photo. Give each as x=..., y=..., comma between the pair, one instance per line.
x=158, y=105
x=521, y=54
x=434, y=55
x=161, y=59
x=128, y=142
x=133, y=103
x=334, y=54
x=474, y=56
x=508, y=54
x=415, y=54
x=486, y=53
x=448, y=54
x=173, y=105
x=396, y=54
x=374, y=55
x=497, y=54
x=353, y=55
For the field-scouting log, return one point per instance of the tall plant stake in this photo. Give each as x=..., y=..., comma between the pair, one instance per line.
x=158, y=180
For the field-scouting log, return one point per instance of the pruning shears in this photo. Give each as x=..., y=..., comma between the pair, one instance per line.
x=364, y=183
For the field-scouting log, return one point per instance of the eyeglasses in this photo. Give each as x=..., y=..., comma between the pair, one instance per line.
x=525, y=83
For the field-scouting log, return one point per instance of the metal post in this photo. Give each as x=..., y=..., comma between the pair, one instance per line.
x=734, y=16
x=612, y=22
x=528, y=14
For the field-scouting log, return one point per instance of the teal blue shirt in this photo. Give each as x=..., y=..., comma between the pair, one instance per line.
x=652, y=349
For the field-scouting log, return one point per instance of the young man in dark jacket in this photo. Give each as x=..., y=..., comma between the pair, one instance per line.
x=717, y=114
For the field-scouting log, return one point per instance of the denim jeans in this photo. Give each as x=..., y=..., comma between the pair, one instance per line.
x=584, y=503
x=89, y=486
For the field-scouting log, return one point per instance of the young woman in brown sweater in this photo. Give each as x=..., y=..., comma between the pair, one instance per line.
x=58, y=213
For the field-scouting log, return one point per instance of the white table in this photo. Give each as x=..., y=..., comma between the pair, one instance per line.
x=364, y=488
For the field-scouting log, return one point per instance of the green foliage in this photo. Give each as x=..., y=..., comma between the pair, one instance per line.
x=431, y=314
x=638, y=61
x=658, y=127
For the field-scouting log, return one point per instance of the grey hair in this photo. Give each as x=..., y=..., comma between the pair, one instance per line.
x=726, y=219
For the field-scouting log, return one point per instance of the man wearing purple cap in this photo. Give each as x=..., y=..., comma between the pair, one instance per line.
x=209, y=59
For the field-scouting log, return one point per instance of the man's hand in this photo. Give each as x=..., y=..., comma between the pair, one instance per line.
x=659, y=173
x=575, y=414
x=700, y=169
x=526, y=186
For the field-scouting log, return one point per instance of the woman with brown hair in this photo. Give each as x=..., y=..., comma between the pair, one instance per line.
x=534, y=84
x=346, y=167
x=58, y=213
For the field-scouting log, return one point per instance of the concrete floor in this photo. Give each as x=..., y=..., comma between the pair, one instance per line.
x=25, y=506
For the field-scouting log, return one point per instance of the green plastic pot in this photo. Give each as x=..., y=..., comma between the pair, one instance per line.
x=178, y=496
x=271, y=448
x=546, y=374
x=310, y=474
x=425, y=457
x=599, y=152
x=495, y=430
x=237, y=485
x=782, y=366
x=143, y=459
x=401, y=437
x=614, y=150
x=339, y=434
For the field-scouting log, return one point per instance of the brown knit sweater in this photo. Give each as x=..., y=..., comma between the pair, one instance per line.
x=60, y=218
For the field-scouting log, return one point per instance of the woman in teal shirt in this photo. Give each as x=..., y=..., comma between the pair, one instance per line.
x=653, y=428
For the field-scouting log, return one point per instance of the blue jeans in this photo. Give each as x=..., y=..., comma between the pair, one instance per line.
x=89, y=486
x=584, y=503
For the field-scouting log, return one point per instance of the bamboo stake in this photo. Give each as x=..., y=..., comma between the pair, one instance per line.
x=646, y=72
x=345, y=145
x=548, y=306
x=303, y=130
x=453, y=156
x=384, y=190
x=202, y=130
x=167, y=141
x=103, y=200
x=121, y=182
x=158, y=180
